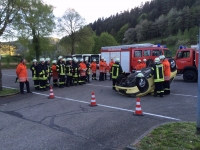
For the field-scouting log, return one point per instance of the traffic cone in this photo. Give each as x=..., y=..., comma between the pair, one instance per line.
x=138, y=109
x=93, y=100
x=51, y=95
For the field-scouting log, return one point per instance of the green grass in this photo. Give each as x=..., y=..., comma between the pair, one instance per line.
x=172, y=136
x=6, y=91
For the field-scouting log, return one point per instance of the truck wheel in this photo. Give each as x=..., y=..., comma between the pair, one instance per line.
x=190, y=76
x=149, y=63
x=172, y=64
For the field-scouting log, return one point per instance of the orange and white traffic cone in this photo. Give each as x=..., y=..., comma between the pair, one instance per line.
x=51, y=95
x=93, y=100
x=138, y=109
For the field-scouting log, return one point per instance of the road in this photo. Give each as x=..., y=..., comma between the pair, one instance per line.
x=32, y=121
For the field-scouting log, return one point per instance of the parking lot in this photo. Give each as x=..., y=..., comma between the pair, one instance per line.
x=32, y=121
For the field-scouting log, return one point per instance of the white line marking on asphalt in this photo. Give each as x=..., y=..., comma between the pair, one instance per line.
x=117, y=108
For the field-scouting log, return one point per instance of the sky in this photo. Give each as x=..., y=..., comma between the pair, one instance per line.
x=91, y=10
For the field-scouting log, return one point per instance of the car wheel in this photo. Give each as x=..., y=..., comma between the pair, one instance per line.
x=149, y=63
x=172, y=64
x=190, y=76
x=120, y=78
x=142, y=84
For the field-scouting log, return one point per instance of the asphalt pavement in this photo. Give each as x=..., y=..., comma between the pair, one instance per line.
x=32, y=121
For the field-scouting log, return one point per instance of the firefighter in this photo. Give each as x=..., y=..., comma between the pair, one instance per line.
x=158, y=73
x=61, y=71
x=69, y=74
x=88, y=70
x=54, y=73
x=167, y=72
x=105, y=69
x=42, y=74
x=22, y=75
x=82, y=69
x=139, y=65
x=110, y=66
x=33, y=68
x=101, y=69
x=94, y=69
x=48, y=70
x=116, y=71
x=144, y=63
x=75, y=72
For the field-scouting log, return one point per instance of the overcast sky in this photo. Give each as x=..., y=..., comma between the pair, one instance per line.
x=91, y=10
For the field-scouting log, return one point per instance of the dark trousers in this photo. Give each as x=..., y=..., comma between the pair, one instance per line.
x=75, y=80
x=114, y=82
x=166, y=87
x=158, y=89
x=61, y=80
x=82, y=79
x=87, y=77
x=101, y=76
x=48, y=81
x=21, y=85
x=42, y=84
x=110, y=76
x=36, y=84
x=105, y=76
x=94, y=76
x=55, y=82
x=69, y=81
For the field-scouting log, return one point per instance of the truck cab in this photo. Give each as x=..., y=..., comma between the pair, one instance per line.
x=187, y=63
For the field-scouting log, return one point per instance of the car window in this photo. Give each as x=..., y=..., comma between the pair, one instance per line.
x=183, y=54
x=156, y=52
x=167, y=53
x=147, y=52
x=138, y=53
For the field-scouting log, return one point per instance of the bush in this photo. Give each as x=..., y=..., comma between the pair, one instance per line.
x=8, y=59
x=171, y=40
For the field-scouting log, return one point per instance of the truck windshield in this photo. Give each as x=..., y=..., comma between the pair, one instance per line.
x=168, y=53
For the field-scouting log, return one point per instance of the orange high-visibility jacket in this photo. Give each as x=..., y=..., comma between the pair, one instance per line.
x=143, y=65
x=22, y=73
x=110, y=65
x=82, y=68
x=93, y=66
x=167, y=70
x=54, y=72
x=101, y=64
x=104, y=66
x=139, y=66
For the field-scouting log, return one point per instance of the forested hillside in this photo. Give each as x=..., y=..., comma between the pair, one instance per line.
x=154, y=19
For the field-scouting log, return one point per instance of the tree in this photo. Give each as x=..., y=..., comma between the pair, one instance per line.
x=130, y=36
x=37, y=23
x=69, y=24
x=120, y=33
x=9, y=10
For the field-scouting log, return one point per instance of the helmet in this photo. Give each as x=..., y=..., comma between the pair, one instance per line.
x=81, y=59
x=102, y=57
x=140, y=75
x=47, y=59
x=64, y=59
x=34, y=60
x=144, y=60
x=42, y=59
x=60, y=57
x=54, y=62
x=76, y=60
x=139, y=60
x=94, y=59
x=157, y=60
x=162, y=56
x=117, y=60
x=69, y=59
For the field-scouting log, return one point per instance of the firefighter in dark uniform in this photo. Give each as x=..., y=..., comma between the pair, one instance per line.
x=158, y=72
x=69, y=70
x=33, y=68
x=88, y=70
x=42, y=74
x=48, y=70
x=61, y=72
x=116, y=70
x=75, y=72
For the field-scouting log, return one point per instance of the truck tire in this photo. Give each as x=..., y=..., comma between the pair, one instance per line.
x=149, y=63
x=172, y=64
x=142, y=84
x=190, y=76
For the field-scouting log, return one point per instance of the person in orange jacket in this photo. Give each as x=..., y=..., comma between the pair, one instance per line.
x=54, y=73
x=105, y=69
x=144, y=63
x=101, y=67
x=82, y=68
x=93, y=66
x=167, y=72
x=139, y=65
x=22, y=75
x=110, y=66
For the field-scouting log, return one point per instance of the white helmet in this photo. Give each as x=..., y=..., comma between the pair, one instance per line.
x=81, y=60
x=140, y=75
x=64, y=60
x=157, y=60
x=139, y=60
x=47, y=59
x=54, y=62
x=102, y=58
x=117, y=60
x=76, y=60
x=69, y=59
x=60, y=57
x=94, y=59
x=42, y=59
x=162, y=57
x=34, y=60
x=144, y=60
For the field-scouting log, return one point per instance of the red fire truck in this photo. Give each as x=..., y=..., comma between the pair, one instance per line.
x=187, y=62
x=130, y=54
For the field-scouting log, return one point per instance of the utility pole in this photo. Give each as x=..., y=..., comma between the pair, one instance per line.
x=198, y=99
